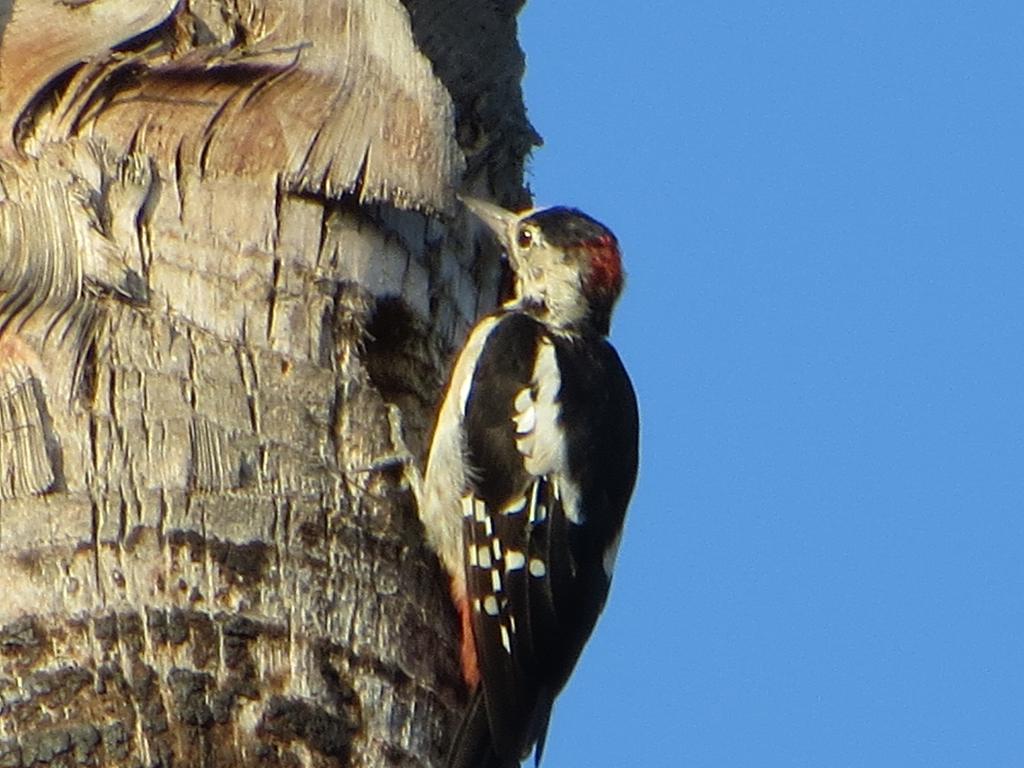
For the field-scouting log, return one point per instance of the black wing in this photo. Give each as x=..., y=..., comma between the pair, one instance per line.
x=540, y=515
x=496, y=531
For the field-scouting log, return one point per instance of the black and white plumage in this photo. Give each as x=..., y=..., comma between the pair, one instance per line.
x=530, y=471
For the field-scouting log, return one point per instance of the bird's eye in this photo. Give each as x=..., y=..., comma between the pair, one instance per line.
x=525, y=239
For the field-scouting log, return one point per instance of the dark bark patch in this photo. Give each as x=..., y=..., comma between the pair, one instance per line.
x=104, y=629
x=245, y=683
x=190, y=540
x=30, y=561
x=236, y=652
x=233, y=625
x=116, y=742
x=110, y=676
x=221, y=705
x=20, y=636
x=243, y=680
x=204, y=639
x=135, y=535
x=10, y=754
x=177, y=626
x=72, y=746
x=84, y=741
x=57, y=688
x=271, y=756
x=240, y=626
x=239, y=633
x=129, y=628
x=241, y=563
x=289, y=720
x=188, y=692
x=145, y=688
x=482, y=72
x=395, y=756
x=156, y=625
x=45, y=746
x=311, y=534
x=343, y=695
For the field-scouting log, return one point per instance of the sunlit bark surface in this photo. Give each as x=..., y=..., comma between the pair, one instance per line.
x=231, y=276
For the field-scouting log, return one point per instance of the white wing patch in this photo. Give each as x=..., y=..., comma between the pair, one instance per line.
x=514, y=507
x=539, y=436
x=491, y=605
x=490, y=564
x=526, y=414
x=483, y=559
x=610, y=554
x=514, y=560
x=568, y=493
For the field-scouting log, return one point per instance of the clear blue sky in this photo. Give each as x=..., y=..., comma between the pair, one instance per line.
x=822, y=210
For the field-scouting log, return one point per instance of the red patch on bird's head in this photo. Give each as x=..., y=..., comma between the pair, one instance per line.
x=605, y=277
x=595, y=246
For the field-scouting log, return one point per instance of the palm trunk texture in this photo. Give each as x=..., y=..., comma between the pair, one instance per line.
x=232, y=274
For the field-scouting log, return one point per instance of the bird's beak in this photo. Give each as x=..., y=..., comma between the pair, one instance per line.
x=501, y=222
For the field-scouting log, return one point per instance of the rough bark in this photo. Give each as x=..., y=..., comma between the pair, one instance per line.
x=231, y=275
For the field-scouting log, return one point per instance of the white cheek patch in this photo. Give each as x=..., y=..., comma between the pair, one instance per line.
x=547, y=280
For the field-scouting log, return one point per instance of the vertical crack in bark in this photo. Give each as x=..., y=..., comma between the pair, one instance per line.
x=178, y=168
x=250, y=380
x=275, y=284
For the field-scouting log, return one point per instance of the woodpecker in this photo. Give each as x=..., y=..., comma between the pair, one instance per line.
x=530, y=470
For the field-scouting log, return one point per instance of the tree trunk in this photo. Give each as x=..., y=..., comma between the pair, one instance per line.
x=231, y=277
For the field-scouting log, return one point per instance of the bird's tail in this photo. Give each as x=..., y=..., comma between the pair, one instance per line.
x=472, y=746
